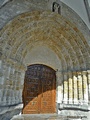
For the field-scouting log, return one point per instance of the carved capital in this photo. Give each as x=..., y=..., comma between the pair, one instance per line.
x=88, y=71
x=69, y=74
x=84, y=72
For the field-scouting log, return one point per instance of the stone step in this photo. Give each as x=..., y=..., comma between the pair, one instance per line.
x=45, y=117
x=39, y=117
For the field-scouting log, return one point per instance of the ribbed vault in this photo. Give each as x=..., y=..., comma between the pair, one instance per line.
x=32, y=29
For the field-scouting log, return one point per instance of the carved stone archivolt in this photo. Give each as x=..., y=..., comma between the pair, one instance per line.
x=36, y=28
x=32, y=29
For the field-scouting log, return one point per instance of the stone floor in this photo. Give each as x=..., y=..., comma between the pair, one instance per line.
x=46, y=117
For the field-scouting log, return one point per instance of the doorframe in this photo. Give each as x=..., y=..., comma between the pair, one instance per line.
x=56, y=99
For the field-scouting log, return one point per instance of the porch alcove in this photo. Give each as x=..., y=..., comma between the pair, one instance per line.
x=42, y=56
x=50, y=39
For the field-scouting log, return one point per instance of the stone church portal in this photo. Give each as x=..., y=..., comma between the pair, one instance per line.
x=44, y=59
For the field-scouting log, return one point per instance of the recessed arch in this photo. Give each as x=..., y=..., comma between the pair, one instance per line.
x=52, y=32
x=45, y=27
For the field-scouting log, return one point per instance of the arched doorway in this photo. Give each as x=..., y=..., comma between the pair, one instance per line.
x=39, y=92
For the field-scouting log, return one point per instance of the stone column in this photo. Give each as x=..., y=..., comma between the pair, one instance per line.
x=0, y=95
x=4, y=89
x=80, y=90
x=5, y=94
x=16, y=86
x=6, y=70
x=9, y=69
x=75, y=92
x=22, y=84
x=11, y=83
x=59, y=86
x=0, y=64
x=88, y=86
x=70, y=83
x=65, y=89
x=85, y=87
x=1, y=80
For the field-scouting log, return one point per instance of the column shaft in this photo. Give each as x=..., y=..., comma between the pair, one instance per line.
x=88, y=86
x=70, y=85
x=65, y=88
x=75, y=92
x=85, y=87
x=80, y=90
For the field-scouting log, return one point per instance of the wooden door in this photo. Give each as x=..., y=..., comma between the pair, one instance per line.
x=39, y=92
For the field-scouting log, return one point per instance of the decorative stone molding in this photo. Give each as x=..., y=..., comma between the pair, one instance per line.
x=71, y=56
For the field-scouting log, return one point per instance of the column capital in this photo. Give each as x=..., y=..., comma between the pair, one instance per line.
x=88, y=71
x=74, y=73
x=59, y=77
x=79, y=72
x=65, y=76
x=84, y=72
x=23, y=68
x=70, y=74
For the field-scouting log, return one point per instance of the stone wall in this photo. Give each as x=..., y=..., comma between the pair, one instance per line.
x=11, y=82
x=64, y=33
x=11, y=87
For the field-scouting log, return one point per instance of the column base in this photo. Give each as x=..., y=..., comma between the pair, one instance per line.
x=83, y=107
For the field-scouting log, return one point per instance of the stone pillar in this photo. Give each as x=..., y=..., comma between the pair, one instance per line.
x=65, y=89
x=4, y=89
x=59, y=86
x=6, y=70
x=22, y=84
x=1, y=80
x=70, y=83
x=66, y=92
x=0, y=64
x=75, y=92
x=5, y=97
x=0, y=95
x=85, y=87
x=80, y=90
x=19, y=86
x=88, y=86
x=9, y=69
x=11, y=83
x=16, y=86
